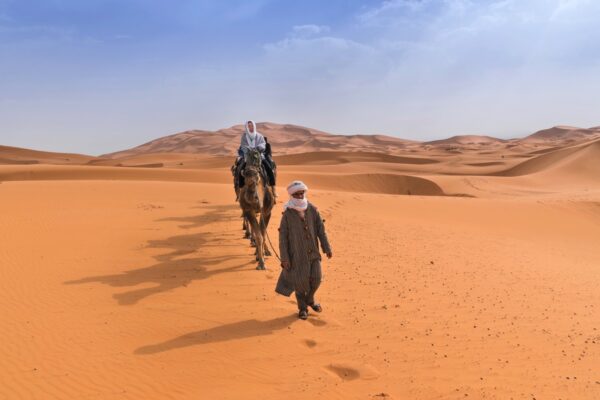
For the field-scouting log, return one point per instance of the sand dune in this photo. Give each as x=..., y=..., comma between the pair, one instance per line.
x=567, y=134
x=370, y=183
x=580, y=161
x=463, y=269
x=16, y=155
x=172, y=160
x=147, y=290
x=287, y=139
x=485, y=164
x=467, y=140
x=133, y=173
x=329, y=157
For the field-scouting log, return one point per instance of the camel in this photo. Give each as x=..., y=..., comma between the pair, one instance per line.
x=256, y=200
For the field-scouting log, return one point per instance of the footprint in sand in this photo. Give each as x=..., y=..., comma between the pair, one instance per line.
x=317, y=322
x=349, y=372
x=344, y=372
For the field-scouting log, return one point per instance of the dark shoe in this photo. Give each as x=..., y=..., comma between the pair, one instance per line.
x=317, y=307
x=303, y=314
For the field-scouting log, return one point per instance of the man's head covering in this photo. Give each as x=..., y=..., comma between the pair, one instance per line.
x=296, y=186
x=297, y=204
x=251, y=133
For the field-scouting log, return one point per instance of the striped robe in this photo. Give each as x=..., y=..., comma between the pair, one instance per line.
x=299, y=245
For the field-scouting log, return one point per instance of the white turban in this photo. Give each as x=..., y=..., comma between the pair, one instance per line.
x=296, y=186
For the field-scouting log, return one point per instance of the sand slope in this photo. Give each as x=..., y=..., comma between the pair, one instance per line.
x=580, y=162
x=20, y=156
x=339, y=157
x=467, y=140
x=147, y=290
x=567, y=134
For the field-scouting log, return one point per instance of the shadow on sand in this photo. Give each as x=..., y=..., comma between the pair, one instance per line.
x=223, y=333
x=171, y=272
x=222, y=213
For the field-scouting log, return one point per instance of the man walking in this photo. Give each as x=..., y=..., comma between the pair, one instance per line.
x=300, y=232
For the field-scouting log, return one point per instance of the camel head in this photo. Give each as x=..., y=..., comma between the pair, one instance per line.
x=251, y=175
x=253, y=158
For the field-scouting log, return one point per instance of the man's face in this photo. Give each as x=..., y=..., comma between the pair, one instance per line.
x=250, y=126
x=299, y=194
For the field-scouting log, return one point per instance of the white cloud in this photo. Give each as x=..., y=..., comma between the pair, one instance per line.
x=309, y=30
x=419, y=69
x=319, y=59
x=566, y=8
x=378, y=14
x=433, y=68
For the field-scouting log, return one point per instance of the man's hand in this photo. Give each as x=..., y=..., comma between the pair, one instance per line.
x=329, y=255
x=285, y=264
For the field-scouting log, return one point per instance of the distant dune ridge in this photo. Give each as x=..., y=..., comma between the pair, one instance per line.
x=291, y=139
x=467, y=139
x=17, y=155
x=578, y=161
x=564, y=133
x=286, y=139
x=362, y=163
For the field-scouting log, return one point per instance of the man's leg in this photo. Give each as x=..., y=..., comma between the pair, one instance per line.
x=240, y=178
x=274, y=171
x=301, y=299
x=315, y=281
x=302, y=305
x=269, y=171
x=266, y=164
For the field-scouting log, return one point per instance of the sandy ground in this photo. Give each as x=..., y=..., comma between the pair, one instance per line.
x=130, y=283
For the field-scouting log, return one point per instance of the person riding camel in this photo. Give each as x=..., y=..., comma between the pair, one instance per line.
x=252, y=139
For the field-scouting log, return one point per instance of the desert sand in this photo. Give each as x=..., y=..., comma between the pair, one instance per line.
x=462, y=268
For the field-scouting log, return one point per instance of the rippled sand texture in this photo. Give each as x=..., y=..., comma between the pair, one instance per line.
x=455, y=275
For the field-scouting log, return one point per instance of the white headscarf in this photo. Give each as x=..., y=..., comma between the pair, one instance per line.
x=297, y=204
x=251, y=135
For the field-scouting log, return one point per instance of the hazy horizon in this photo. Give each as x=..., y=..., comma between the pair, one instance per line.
x=101, y=76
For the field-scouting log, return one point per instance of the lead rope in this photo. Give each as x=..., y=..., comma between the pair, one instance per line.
x=269, y=238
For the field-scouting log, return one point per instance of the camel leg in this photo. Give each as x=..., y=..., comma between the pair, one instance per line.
x=267, y=208
x=257, y=235
x=246, y=227
x=264, y=223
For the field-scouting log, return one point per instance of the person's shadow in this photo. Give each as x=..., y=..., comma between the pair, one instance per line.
x=171, y=271
x=223, y=333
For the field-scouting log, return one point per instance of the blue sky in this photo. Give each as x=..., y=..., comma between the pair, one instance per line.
x=96, y=76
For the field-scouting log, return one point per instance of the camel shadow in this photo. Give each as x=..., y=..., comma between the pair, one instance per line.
x=171, y=271
x=223, y=333
x=166, y=276
x=216, y=213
